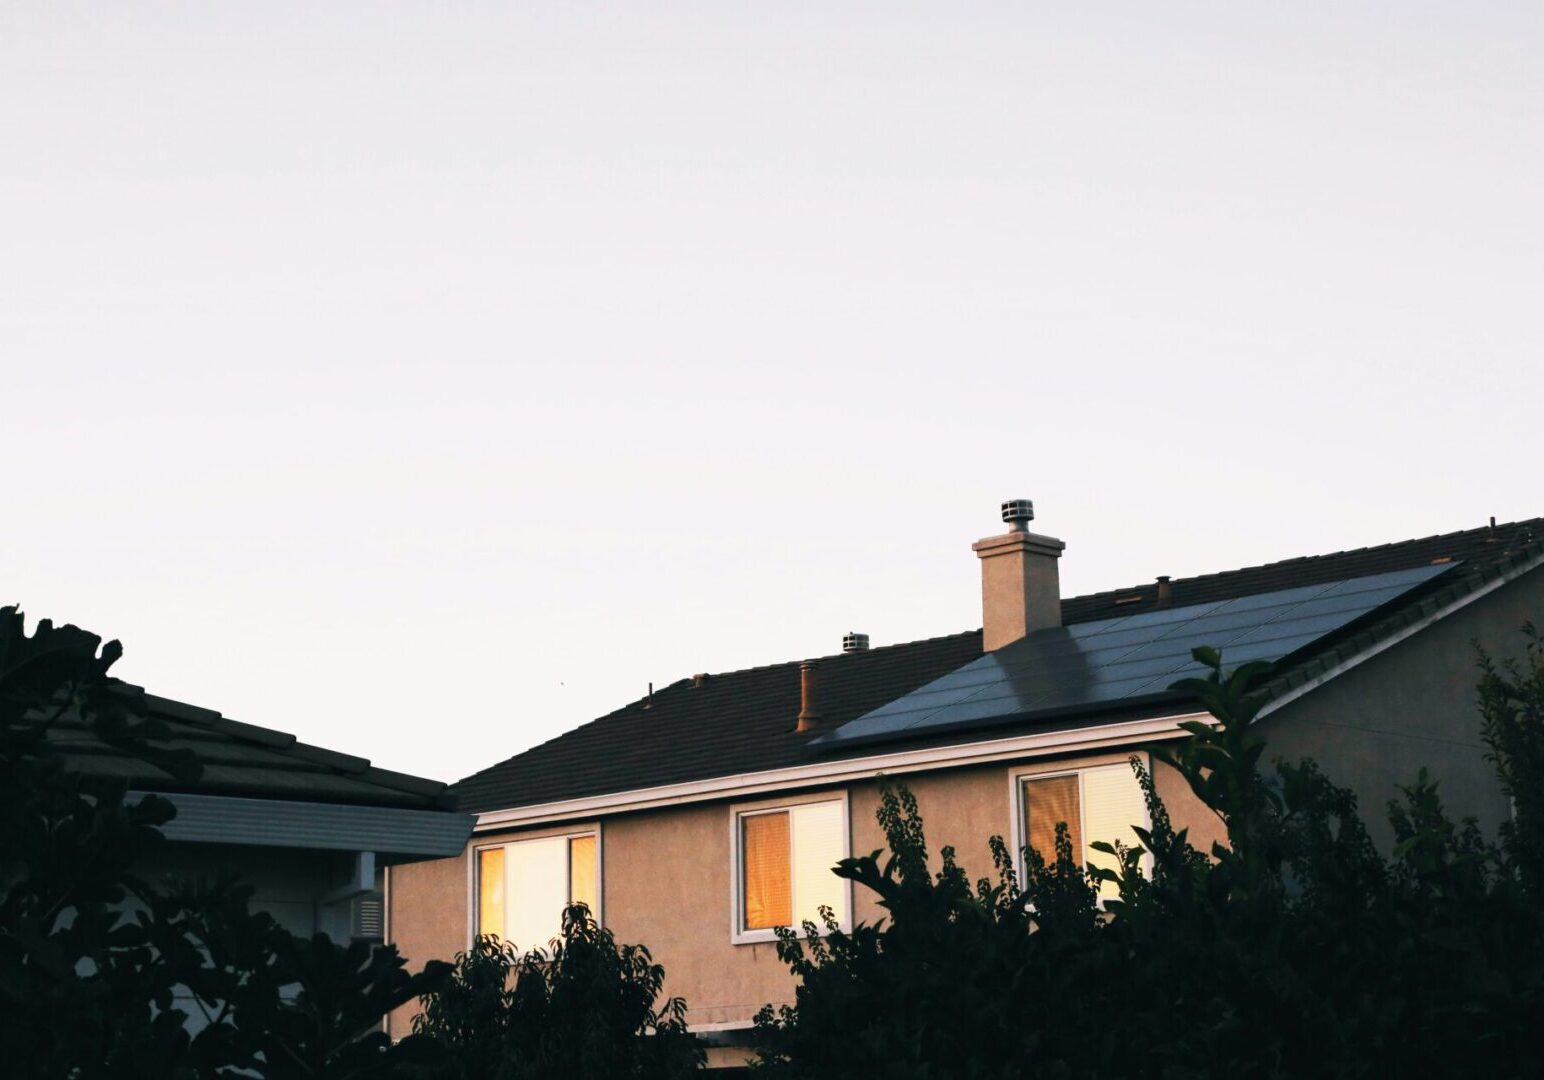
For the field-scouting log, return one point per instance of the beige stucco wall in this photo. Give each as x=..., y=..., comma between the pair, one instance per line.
x=1373, y=727
x=666, y=880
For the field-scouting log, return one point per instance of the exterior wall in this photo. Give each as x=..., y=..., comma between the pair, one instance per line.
x=666, y=881
x=288, y=883
x=1413, y=705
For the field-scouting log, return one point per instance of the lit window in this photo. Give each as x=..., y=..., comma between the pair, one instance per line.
x=1097, y=804
x=523, y=887
x=784, y=860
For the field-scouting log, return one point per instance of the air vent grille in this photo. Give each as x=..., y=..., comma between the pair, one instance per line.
x=367, y=919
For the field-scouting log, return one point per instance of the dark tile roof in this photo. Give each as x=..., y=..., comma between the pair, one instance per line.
x=242, y=759
x=743, y=721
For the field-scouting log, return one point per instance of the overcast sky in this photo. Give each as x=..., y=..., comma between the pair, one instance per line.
x=426, y=379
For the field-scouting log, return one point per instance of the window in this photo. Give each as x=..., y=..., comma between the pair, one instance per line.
x=523, y=887
x=783, y=860
x=1100, y=803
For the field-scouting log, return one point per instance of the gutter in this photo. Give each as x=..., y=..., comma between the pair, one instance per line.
x=826, y=773
x=393, y=833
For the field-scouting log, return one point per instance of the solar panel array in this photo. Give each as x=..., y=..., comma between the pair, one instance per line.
x=1128, y=659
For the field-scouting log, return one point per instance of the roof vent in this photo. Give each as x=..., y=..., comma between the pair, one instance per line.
x=809, y=685
x=1165, y=590
x=1018, y=513
x=855, y=642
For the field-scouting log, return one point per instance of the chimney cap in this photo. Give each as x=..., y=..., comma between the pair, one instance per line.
x=1018, y=513
x=855, y=642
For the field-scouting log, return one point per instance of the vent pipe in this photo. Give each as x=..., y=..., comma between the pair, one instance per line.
x=1165, y=590
x=809, y=686
x=855, y=642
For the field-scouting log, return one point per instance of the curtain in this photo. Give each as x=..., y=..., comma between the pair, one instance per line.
x=583, y=886
x=1046, y=802
x=490, y=892
x=767, y=882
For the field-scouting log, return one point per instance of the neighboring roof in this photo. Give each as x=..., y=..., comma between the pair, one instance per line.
x=243, y=760
x=743, y=721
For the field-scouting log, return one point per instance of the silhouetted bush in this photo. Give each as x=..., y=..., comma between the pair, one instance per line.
x=1294, y=949
x=95, y=962
x=584, y=1009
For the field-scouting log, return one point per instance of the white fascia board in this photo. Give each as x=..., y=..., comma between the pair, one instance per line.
x=846, y=770
x=1384, y=644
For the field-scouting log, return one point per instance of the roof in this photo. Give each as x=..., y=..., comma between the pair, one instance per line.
x=241, y=759
x=1109, y=665
x=743, y=721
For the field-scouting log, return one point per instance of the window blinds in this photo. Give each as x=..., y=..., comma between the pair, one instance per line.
x=1112, y=803
x=765, y=857
x=1097, y=804
x=819, y=840
x=536, y=882
x=785, y=864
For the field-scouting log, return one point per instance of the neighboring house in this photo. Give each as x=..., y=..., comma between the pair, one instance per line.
x=311, y=830
x=698, y=818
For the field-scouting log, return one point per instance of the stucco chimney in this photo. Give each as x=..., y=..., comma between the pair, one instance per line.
x=1020, y=589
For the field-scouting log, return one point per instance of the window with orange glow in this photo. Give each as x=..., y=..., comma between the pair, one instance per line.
x=785, y=863
x=1097, y=804
x=523, y=886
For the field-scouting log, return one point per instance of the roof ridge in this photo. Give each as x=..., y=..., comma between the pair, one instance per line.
x=826, y=656
x=686, y=681
x=1299, y=559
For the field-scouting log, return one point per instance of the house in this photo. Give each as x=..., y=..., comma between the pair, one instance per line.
x=311, y=830
x=697, y=819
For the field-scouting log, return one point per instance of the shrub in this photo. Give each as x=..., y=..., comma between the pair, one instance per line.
x=92, y=957
x=584, y=1009
x=1293, y=949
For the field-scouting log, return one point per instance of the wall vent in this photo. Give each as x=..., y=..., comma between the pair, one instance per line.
x=367, y=918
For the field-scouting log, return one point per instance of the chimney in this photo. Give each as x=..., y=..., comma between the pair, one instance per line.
x=809, y=712
x=1165, y=590
x=1020, y=590
x=855, y=642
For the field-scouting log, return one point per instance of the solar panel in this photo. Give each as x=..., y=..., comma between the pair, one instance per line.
x=1126, y=659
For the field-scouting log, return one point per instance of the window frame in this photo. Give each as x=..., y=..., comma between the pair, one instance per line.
x=1046, y=771
x=566, y=832
x=738, y=935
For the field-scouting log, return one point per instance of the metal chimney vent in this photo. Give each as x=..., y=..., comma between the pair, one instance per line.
x=855, y=642
x=1018, y=513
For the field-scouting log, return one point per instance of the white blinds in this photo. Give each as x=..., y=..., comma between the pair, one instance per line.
x=1112, y=803
x=786, y=858
x=819, y=841
x=536, y=891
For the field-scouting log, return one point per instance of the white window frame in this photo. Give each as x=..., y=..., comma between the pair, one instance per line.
x=567, y=832
x=1046, y=771
x=738, y=935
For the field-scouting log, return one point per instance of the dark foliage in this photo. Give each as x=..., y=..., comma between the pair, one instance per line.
x=583, y=1009
x=1294, y=949
x=1512, y=708
x=98, y=968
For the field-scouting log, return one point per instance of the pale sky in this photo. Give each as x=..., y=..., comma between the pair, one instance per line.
x=426, y=379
